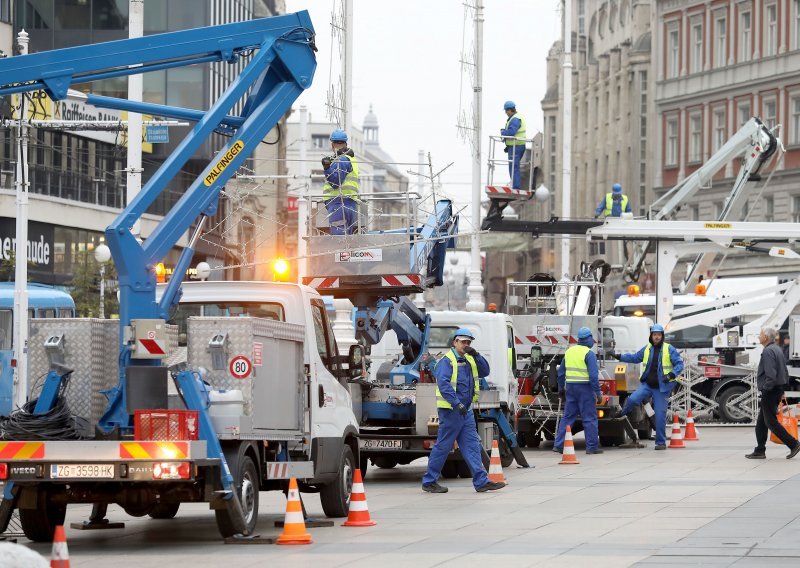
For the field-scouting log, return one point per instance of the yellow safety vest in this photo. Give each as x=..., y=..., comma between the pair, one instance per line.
x=519, y=137
x=440, y=401
x=575, y=364
x=349, y=186
x=610, y=204
x=666, y=362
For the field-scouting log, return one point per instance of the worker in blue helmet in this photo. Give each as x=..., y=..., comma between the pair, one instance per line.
x=340, y=191
x=661, y=365
x=458, y=375
x=579, y=385
x=514, y=138
x=614, y=204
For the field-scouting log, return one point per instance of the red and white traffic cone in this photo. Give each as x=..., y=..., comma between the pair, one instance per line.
x=690, y=432
x=358, y=514
x=568, y=455
x=60, y=555
x=495, y=466
x=677, y=438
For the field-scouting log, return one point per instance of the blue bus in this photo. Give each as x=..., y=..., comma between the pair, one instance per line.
x=43, y=302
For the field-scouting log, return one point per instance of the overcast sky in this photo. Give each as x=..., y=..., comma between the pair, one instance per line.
x=406, y=64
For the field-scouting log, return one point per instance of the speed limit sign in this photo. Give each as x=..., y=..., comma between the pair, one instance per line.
x=240, y=367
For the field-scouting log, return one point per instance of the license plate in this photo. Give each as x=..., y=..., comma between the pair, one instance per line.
x=82, y=471
x=381, y=444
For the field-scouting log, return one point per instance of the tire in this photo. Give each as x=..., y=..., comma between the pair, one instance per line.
x=645, y=434
x=164, y=510
x=39, y=524
x=728, y=414
x=450, y=469
x=522, y=439
x=385, y=463
x=245, y=478
x=335, y=496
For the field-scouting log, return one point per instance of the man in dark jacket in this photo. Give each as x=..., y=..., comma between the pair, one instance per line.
x=771, y=381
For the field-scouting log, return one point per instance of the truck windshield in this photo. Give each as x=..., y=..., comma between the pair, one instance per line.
x=6, y=329
x=267, y=310
x=441, y=337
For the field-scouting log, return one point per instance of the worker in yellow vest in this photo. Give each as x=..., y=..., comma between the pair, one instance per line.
x=661, y=365
x=340, y=191
x=458, y=375
x=579, y=385
x=514, y=138
x=614, y=204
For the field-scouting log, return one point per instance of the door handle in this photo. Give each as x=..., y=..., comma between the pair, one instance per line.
x=321, y=397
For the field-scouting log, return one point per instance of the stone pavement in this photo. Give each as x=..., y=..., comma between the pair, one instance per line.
x=705, y=505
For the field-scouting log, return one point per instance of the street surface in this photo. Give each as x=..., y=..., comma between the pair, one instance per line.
x=703, y=505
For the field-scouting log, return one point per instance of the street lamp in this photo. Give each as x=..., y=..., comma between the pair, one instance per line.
x=203, y=270
x=102, y=254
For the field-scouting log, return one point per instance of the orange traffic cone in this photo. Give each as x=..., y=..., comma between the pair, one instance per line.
x=294, y=526
x=358, y=515
x=690, y=432
x=568, y=455
x=676, y=441
x=60, y=556
x=495, y=467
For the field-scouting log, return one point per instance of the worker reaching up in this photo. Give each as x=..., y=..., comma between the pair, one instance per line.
x=458, y=376
x=341, y=186
x=614, y=204
x=514, y=133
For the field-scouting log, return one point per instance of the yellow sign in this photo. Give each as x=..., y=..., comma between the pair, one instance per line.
x=717, y=225
x=223, y=163
x=620, y=369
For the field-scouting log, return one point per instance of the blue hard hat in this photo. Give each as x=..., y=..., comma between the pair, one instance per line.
x=509, y=105
x=338, y=135
x=463, y=331
x=616, y=188
x=658, y=328
x=584, y=332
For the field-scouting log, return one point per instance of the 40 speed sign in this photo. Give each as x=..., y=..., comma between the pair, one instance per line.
x=240, y=367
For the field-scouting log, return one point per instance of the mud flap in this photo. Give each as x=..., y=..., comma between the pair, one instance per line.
x=629, y=430
x=519, y=457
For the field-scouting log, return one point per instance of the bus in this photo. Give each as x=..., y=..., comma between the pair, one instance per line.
x=43, y=302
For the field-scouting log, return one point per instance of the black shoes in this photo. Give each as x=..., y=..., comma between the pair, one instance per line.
x=755, y=455
x=434, y=488
x=661, y=446
x=595, y=451
x=558, y=450
x=794, y=452
x=490, y=486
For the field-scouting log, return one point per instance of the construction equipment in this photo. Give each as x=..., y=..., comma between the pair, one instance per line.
x=312, y=437
x=377, y=271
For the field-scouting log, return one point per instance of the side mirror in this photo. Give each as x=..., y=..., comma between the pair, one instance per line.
x=357, y=361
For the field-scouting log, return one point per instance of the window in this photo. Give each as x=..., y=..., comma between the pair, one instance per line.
x=697, y=48
x=442, y=337
x=597, y=248
x=694, y=213
x=721, y=46
x=746, y=41
x=673, y=50
x=266, y=310
x=6, y=329
x=581, y=17
x=5, y=11
x=695, y=138
x=718, y=207
x=319, y=141
x=744, y=113
x=796, y=41
x=769, y=209
x=771, y=32
x=769, y=115
x=719, y=129
x=796, y=209
x=672, y=142
x=794, y=135
x=326, y=343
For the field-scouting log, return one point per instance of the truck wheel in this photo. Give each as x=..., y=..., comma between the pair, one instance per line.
x=450, y=469
x=164, y=510
x=727, y=413
x=385, y=463
x=335, y=496
x=245, y=478
x=39, y=524
x=644, y=434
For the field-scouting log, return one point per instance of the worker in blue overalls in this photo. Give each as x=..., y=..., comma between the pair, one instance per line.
x=579, y=384
x=514, y=138
x=661, y=365
x=458, y=375
x=614, y=204
x=340, y=191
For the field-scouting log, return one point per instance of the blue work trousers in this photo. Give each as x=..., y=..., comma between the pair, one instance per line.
x=456, y=428
x=642, y=395
x=342, y=215
x=515, y=154
x=581, y=400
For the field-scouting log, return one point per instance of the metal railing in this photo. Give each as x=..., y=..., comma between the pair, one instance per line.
x=562, y=298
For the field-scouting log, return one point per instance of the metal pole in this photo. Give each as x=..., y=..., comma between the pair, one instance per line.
x=566, y=153
x=302, y=202
x=21, y=247
x=348, y=67
x=475, y=288
x=135, y=87
x=102, y=290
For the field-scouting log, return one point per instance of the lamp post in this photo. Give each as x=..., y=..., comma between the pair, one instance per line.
x=102, y=254
x=203, y=270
